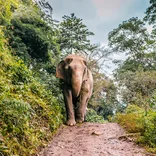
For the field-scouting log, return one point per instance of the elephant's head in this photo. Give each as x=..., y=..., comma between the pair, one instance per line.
x=73, y=70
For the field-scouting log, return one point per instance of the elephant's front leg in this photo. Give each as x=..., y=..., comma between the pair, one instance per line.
x=82, y=103
x=69, y=106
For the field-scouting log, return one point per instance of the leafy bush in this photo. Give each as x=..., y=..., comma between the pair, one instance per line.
x=92, y=116
x=6, y=8
x=149, y=134
x=29, y=113
x=131, y=122
x=143, y=122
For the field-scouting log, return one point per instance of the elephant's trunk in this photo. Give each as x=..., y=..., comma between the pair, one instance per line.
x=76, y=85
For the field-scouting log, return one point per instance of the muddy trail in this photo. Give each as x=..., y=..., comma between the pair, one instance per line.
x=92, y=139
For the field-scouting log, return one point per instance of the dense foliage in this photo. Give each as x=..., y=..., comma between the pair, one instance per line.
x=31, y=101
x=28, y=112
x=142, y=126
x=104, y=96
x=31, y=37
x=136, y=76
x=92, y=116
x=150, y=13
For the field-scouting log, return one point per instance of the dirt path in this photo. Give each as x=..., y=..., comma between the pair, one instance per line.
x=92, y=139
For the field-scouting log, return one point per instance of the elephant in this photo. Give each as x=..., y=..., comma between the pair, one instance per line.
x=77, y=88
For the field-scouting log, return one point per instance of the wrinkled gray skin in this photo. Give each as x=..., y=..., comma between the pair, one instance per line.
x=78, y=87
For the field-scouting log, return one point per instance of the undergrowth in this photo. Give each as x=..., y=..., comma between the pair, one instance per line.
x=137, y=120
x=92, y=116
x=29, y=114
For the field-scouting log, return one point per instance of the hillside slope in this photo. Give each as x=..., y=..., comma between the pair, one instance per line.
x=29, y=114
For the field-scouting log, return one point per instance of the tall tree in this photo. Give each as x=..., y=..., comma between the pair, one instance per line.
x=131, y=37
x=135, y=75
x=31, y=37
x=137, y=87
x=150, y=17
x=151, y=13
x=35, y=42
x=74, y=35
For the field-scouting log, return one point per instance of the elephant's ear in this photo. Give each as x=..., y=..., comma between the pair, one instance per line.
x=68, y=60
x=60, y=70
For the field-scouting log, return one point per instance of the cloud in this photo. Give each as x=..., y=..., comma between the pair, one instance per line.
x=110, y=9
x=100, y=16
x=66, y=7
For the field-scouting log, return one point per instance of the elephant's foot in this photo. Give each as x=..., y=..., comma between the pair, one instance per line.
x=79, y=120
x=71, y=122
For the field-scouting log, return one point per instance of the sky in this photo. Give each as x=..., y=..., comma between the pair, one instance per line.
x=100, y=16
